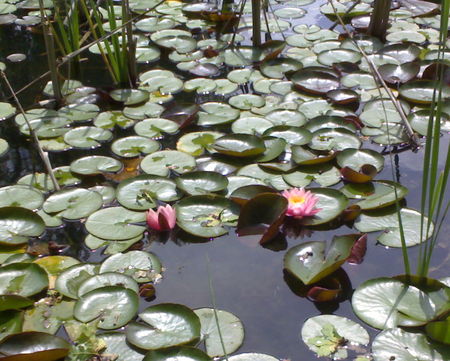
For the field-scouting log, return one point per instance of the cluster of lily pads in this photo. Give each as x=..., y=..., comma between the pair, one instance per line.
x=219, y=133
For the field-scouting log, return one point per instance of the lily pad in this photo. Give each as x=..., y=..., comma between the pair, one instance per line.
x=74, y=203
x=115, y=223
x=142, y=266
x=421, y=91
x=213, y=113
x=18, y=224
x=387, y=221
x=386, y=303
x=166, y=325
x=142, y=192
x=231, y=331
x=331, y=202
x=334, y=139
x=311, y=261
x=250, y=356
x=406, y=346
x=71, y=278
x=201, y=182
x=239, y=145
x=196, y=143
x=106, y=279
x=155, y=127
x=22, y=279
x=326, y=335
x=162, y=162
x=114, y=306
x=184, y=353
x=95, y=164
x=375, y=195
x=134, y=146
x=206, y=216
x=29, y=345
x=129, y=96
x=20, y=196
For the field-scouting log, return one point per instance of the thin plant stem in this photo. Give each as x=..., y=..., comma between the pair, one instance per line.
x=256, y=22
x=213, y=301
x=41, y=152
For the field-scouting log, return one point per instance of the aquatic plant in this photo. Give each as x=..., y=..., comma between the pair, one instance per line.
x=163, y=219
x=301, y=203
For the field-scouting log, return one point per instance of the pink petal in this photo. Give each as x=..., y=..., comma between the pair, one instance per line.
x=152, y=219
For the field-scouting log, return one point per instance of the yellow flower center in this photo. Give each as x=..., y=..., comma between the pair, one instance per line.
x=297, y=199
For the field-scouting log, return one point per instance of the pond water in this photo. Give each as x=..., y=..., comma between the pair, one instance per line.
x=247, y=279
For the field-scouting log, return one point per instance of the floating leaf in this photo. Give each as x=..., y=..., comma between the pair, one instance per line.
x=166, y=325
x=310, y=262
x=231, y=331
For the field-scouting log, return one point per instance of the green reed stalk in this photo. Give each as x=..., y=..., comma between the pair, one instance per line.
x=51, y=54
x=434, y=183
x=213, y=301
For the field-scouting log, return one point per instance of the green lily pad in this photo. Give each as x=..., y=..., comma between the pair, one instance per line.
x=95, y=164
x=118, y=347
x=110, y=119
x=10, y=323
x=251, y=125
x=4, y=147
x=14, y=302
x=386, y=303
x=22, y=279
x=34, y=345
x=134, y=146
x=311, y=261
x=329, y=121
x=142, y=266
x=315, y=81
x=47, y=315
x=21, y=196
x=201, y=182
x=334, y=139
x=54, y=265
x=378, y=194
x=239, y=145
x=18, y=224
x=387, y=221
x=439, y=331
x=6, y=111
x=292, y=135
x=323, y=173
x=231, y=331
x=250, y=356
x=277, y=68
x=196, y=143
x=406, y=346
x=155, y=127
x=331, y=202
x=355, y=159
x=71, y=278
x=115, y=223
x=177, y=353
x=87, y=137
x=213, y=113
x=148, y=110
x=246, y=101
x=142, y=192
x=129, y=96
x=162, y=162
x=327, y=335
x=206, y=216
x=106, y=279
x=111, y=247
x=286, y=117
x=114, y=306
x=73, y=203
x=421, y=91
x=166, y=325
x=268, y=176
x=274, y=147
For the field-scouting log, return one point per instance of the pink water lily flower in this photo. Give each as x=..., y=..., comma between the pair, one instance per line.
x=301, y=203
x=164, y=219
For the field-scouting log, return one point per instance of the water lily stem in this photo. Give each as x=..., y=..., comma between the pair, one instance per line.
x=41, y=152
